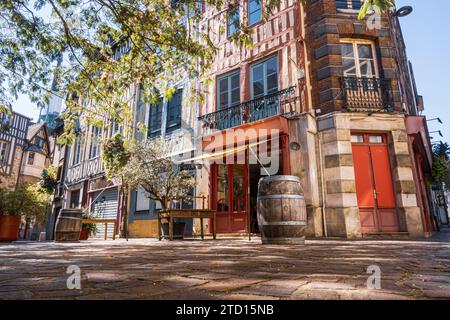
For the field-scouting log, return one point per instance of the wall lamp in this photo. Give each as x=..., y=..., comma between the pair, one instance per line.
x=439, y=132
x=404, y=11
x=436, y=119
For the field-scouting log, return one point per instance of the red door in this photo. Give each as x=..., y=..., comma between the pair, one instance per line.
x=374, y=186
x=230, y=197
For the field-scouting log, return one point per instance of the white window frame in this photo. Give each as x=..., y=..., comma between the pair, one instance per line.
x=355, y=43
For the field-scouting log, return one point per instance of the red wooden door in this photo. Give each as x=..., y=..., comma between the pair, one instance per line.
x=230, y=197
x=374, y=186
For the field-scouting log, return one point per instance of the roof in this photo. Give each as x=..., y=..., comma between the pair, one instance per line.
x=34, y=129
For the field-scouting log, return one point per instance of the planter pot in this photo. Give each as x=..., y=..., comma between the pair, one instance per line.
x=84, y=234
x=178, y=230
x=9, y=228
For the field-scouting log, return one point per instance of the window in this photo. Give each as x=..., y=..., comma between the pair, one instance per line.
x=76, y=151
x=142, y=200
x=74, y=199
x=254, y=11
x=4, y=149
x=233, y=21
x=154, y=128
x=140, y=119
x=264, y=78
x=357, y=138
x=30, y=160
x=358, y=59
x=39, y=142
x=229, y=90
x=349, y=4
x=174, y=112
x=94, y=150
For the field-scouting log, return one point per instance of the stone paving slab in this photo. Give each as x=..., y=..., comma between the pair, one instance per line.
x=225, y=269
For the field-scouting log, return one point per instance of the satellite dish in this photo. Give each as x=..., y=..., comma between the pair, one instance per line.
x=404, y=11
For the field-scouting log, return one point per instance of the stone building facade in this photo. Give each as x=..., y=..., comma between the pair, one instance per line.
x=363, y=95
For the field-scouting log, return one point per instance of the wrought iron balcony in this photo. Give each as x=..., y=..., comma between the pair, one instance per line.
x=367, y=94
x=278, y=103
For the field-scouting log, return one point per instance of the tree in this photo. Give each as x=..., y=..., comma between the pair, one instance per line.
x=151, y=168
x=115, y=157
x=83, y=34
x=441, y=164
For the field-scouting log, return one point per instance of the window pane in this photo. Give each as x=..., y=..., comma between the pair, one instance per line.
x=235, y=83
x=142, y=200
x=365, y=51
x=358, y=138
x=222, y=188
x=272, y=66
x=367, y=68
x=233, y=21
x=272, y=83
x=347, y=50
x=349, y=67
x=223, y=100
x=174, y=112
x=235, y=97
x=238, y=188
x=376, y=139
x=223, y=85
x=258, y=80
x=254, y=11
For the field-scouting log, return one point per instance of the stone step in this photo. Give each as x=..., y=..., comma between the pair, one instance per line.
x=386, y=236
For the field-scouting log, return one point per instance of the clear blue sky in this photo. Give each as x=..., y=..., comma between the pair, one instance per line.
x=426, y=33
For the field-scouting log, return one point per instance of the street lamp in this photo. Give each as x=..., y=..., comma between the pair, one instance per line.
x=404, y=11
x=439, y=132
x=436, y=119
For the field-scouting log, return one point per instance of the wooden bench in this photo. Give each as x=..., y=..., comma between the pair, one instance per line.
x=105, y=221
x=171, y=214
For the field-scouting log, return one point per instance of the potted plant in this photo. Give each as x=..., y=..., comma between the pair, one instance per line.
x=88, y=229
x=28, y=202
x=9, y=218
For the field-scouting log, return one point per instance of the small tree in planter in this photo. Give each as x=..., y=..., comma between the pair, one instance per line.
x=152, y=168
x=28, y=202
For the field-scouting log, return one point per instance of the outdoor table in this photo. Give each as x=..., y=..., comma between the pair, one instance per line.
x=105, y=221
x=201, y=214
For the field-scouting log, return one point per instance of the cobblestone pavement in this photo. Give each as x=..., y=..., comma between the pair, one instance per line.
x=226, y=269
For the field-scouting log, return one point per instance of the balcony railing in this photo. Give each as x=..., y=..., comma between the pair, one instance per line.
x=281, y=102
x=367, y=94
x=84, y=170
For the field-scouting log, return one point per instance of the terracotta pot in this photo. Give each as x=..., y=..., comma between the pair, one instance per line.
x=9, y=228
x=84, y=234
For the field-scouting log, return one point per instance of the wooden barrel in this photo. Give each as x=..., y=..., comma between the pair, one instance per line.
x=281, y=210
x=68, y=225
